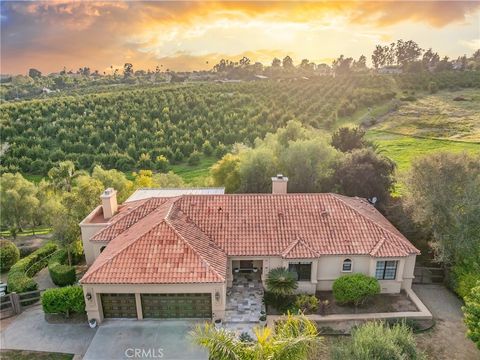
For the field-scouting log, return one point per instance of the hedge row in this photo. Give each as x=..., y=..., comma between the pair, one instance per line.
x=355, y=288
x=9, y=255
x=65, y=300
x=61, y=274
x=21, y=273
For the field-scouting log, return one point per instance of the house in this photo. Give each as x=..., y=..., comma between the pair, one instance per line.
x=179, y=256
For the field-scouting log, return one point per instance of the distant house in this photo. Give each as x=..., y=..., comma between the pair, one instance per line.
x=390, y=70
x=178, y=254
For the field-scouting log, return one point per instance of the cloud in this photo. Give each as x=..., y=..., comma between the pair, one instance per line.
x=473, y=44
x=56, y=33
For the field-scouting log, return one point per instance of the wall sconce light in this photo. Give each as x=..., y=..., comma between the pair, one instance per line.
x=89, y=296
x=217, y=296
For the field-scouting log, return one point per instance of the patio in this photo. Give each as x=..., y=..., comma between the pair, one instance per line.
x=244, y=303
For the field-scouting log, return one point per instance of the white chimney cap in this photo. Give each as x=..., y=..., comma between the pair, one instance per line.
x=279, y=177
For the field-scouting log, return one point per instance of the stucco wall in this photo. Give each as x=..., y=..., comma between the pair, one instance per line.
x=94, y=306
x=87, y=231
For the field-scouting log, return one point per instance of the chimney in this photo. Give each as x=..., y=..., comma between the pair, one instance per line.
x=279, y=184
x=109, y=203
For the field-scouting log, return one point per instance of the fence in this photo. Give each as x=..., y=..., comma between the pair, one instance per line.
x=13, y=303
x=429, y=275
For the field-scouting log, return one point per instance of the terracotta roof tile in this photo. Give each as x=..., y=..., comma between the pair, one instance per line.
x=197, y=233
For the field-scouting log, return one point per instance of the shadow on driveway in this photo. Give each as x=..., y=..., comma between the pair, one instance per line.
x=146, y=339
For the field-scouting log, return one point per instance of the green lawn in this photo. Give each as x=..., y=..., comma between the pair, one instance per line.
x=404, y=149
x=29, y=232
x=194, y=174
x=33, y=355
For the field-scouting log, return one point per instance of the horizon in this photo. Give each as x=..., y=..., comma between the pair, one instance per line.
x=189, y=36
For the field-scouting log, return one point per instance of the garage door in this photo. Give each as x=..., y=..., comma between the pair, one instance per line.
x=177, y=305
x=119, y=305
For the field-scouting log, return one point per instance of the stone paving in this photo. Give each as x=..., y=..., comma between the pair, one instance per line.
x=244, y=303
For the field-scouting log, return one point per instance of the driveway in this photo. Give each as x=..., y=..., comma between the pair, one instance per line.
x=447, y=339
x=30, y=331
x=146, y=339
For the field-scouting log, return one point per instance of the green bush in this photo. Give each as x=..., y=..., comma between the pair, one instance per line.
x=281, y=282
x=306, y=303
x=65, y=300
x=375, y=340
x=355, y=289
x=471, y=312
x=20, y=275
x=9, y=255
x=194, y=158
x=61, y=274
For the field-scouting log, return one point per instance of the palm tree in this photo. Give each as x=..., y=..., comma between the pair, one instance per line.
x=63, y=175
x=281, y=282
x=295, y=338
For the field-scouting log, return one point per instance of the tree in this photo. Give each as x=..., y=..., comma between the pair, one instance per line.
x=308, y=164
x=347, y=139
x=49, y=204
x=360, y=64
x=281, y=282
x=407, y=52
x=168, y=180
x=161, y=163
x=18, y=202
x=442, y=194
x=62, y=175
x=471, y=312
x=143, y=179
x=366, y=174
x=256, y=170
x=287, y=62
x=66, y=232
x=379, y=56
x=114, y=179
x=342, y=65
x=34, y=73
x=225, y=173
x=194, y=158
x=295, y=338
x=376, y=340
x=276, y=62
x=127, y=70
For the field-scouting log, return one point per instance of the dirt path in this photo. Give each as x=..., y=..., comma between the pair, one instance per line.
x=447, y=339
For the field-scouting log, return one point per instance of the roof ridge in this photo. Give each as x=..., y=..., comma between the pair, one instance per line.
x=297, y=241
x=172, y=226
x=401, y=238
x=108, y=257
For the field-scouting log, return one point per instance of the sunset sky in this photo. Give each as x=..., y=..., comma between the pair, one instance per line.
x=186, y=35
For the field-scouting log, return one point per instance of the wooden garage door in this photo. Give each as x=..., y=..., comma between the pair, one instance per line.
x=119, y=306
x=177, y=305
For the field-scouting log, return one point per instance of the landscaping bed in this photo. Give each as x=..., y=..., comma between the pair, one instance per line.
x=382, y=303
x=74, y=318
x=33, y=355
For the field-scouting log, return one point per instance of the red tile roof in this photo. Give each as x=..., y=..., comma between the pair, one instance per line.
x=188, y=238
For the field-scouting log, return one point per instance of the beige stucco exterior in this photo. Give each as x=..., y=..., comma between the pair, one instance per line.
x=324, y=271
x=88, y=230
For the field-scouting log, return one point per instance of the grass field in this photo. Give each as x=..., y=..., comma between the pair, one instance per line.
x=194, y=174
x=438, y=116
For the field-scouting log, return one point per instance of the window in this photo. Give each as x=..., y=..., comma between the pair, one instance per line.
x=386, y=270
x=303, y=270
x=347, y=265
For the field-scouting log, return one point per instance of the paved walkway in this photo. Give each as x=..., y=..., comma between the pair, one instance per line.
x=44, y=280
x=244, y=304
x=30, y=331
x=447, y=339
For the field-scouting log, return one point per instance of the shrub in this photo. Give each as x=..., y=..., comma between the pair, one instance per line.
x=60, y=273
x=194, y=158
x=280, y=303
x=20, y=275
x=471, y=311
x=65, y=300
x=374, y=340
x=281, y=282
x=306, y=303
x=355, y=288
x=9, y=255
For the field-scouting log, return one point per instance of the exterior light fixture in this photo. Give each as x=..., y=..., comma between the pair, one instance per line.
x=217, y=296
x=89, y=296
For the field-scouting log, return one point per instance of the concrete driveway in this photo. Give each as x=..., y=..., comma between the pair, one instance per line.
x=146, y=339
x=30, y=331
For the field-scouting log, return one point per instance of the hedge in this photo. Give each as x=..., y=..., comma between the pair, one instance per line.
x=64, y=300
x=355, y=288
x=61, y=273
x=9, y=255
x=20, y=275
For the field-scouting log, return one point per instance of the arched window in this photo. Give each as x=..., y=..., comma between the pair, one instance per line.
x=347, y=265
x=102, y=248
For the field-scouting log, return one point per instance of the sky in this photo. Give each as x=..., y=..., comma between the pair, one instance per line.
x=51, y=35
